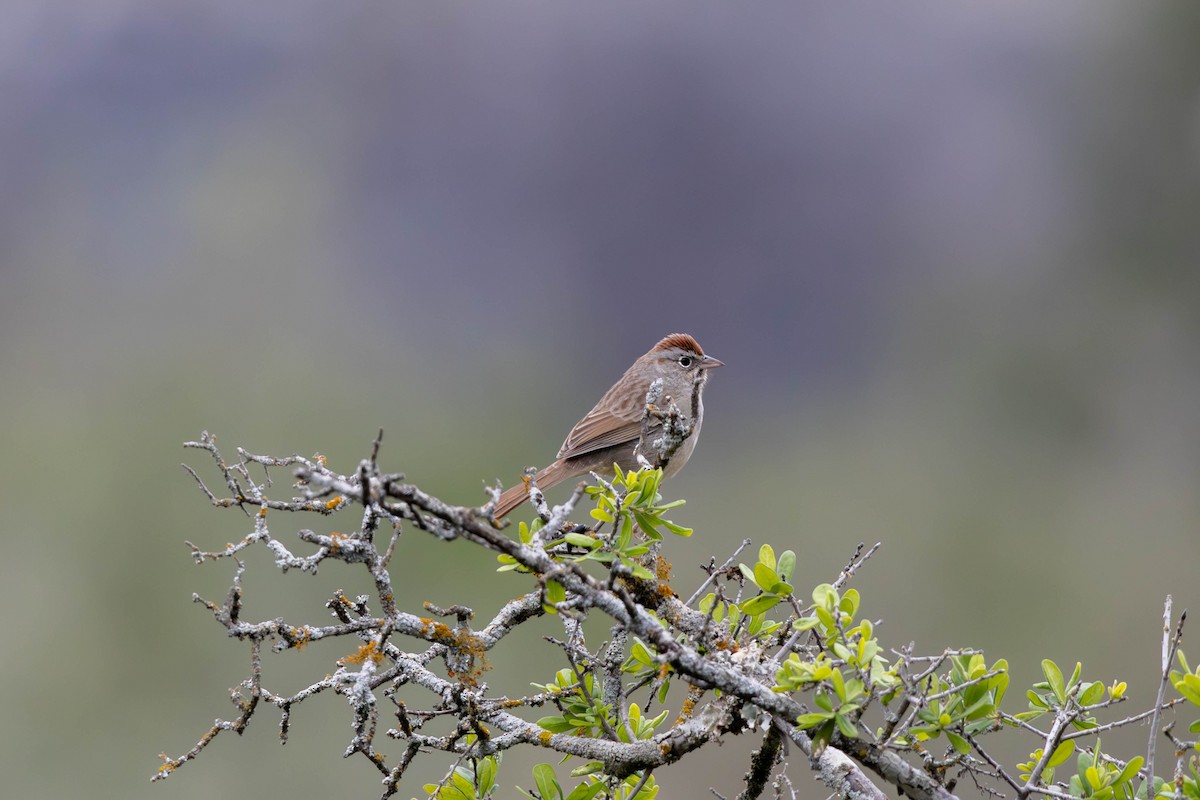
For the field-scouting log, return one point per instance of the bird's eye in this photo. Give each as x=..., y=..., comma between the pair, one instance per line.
x=685, y=361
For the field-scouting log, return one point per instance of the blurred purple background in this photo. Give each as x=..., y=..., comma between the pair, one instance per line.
x=949, y=253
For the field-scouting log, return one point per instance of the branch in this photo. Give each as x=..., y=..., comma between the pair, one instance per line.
x=1169, y=645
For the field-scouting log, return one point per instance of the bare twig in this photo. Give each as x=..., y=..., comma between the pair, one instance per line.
x=1170, y=643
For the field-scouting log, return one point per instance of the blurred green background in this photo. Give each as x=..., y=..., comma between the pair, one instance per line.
x=948, y=252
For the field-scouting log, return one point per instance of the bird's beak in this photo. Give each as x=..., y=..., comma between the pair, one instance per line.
x=708, y=362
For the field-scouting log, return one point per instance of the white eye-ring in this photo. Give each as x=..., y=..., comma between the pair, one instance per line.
x=685, y=361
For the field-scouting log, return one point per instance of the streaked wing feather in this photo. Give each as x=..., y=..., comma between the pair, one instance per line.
x=601, y=432
x=614, y=420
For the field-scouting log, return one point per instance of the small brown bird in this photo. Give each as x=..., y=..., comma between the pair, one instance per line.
x=609, y=433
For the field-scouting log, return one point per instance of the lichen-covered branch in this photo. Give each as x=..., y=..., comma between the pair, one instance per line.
x=756, y=658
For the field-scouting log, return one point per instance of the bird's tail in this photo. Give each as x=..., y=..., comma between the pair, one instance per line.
x=546, y=477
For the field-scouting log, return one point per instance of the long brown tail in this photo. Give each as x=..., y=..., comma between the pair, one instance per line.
x=546, y=477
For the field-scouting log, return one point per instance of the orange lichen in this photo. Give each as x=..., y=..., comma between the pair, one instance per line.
x=544, y=738
x=689, y=704
x=464, y=644
x=662, y=569
x=299, y=637
x=725, y=643
x=370, y=650
x=474, y=648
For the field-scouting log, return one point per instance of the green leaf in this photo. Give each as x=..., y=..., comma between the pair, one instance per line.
x=766, y=555
x=960, y=744
x=582, y=540
x=1054, y=678
x=546, y=782
x=678, y=530
x=458, y=787
x=849, y=604
x=981, y=707
x=586, y=791
x=764, y=576
x=649, y=524
x=820, y=739
x=555, y=592
x=786, y=565
x=590, y=768
x=640, y=572
x=826, y=618
x=1189, y=687
x=647, y=492
x=809, y=720
x=556, y=724
x=1061, y=753
x=485, y=775
x=806, y=623
x=846, y=726
x=747, y=573
x=825, y=597
x=601, y=515
x=1091, y=694
x=780, y=588
x=759, y=604
x=1130, y=770
x=626, y=536
x=839, y=684
x=999, y=682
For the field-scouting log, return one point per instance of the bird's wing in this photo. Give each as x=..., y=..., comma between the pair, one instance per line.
x=611, y=422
